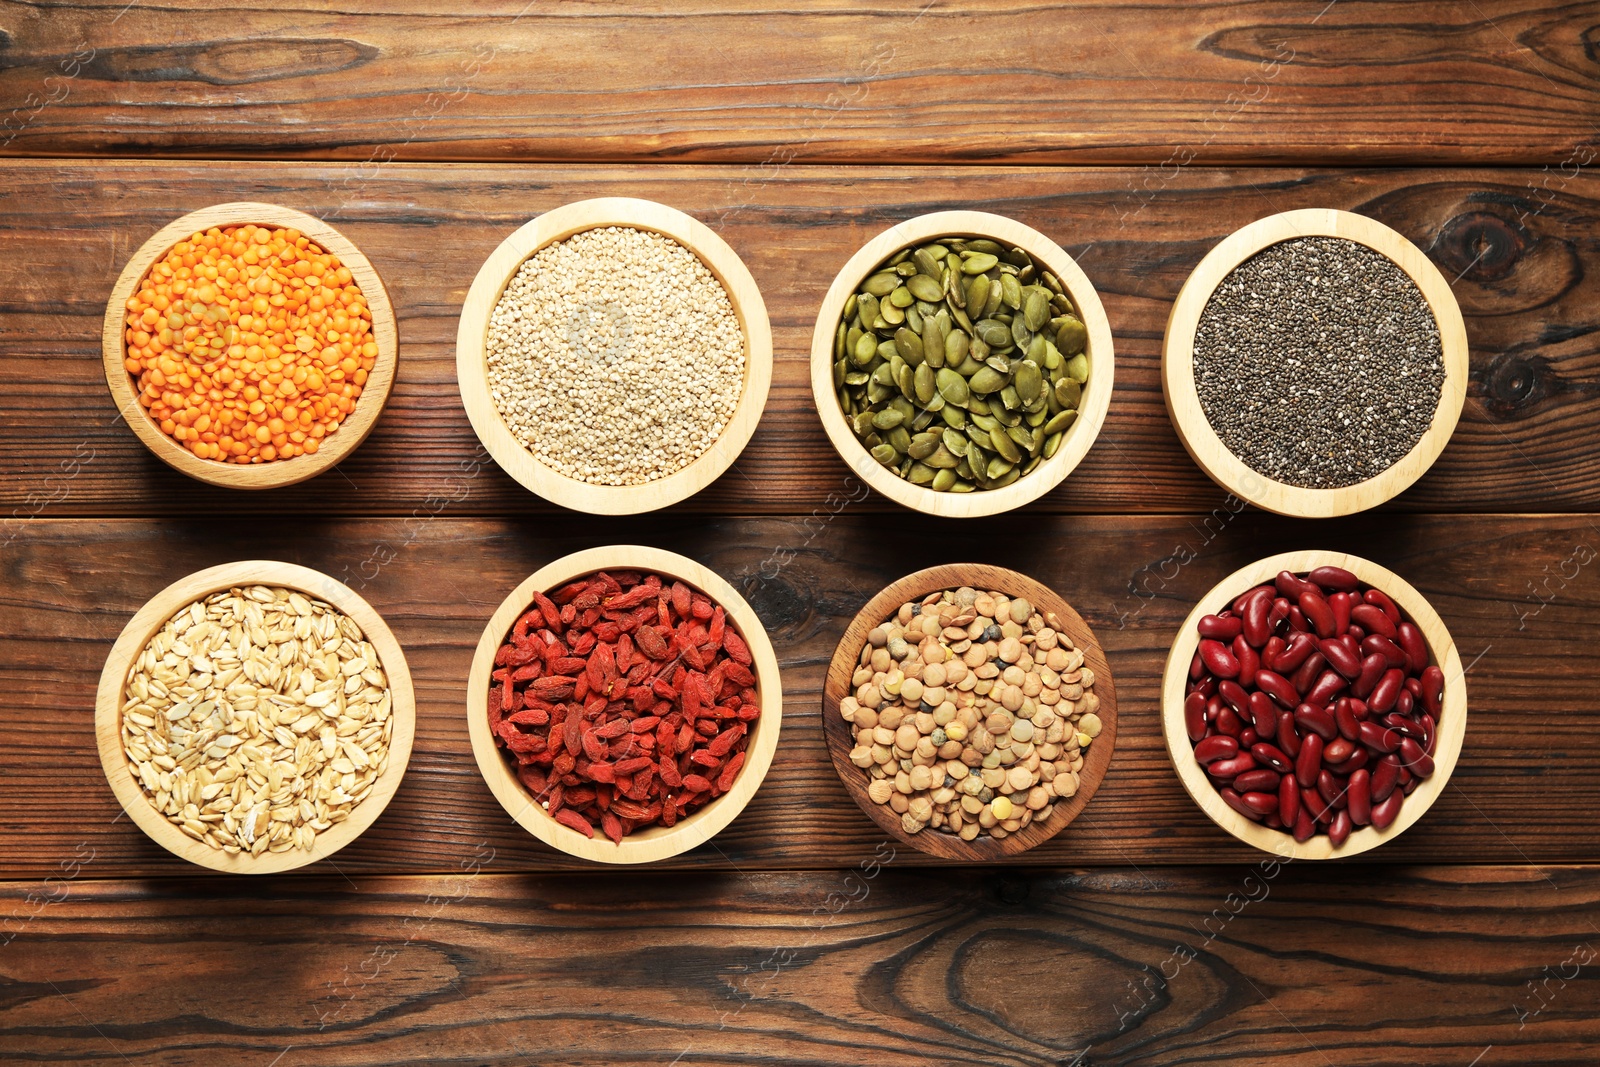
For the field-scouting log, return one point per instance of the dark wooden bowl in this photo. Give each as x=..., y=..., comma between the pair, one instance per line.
x=841, y=739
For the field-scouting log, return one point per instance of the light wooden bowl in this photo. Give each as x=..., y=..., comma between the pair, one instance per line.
x=840, y=739
x=472, y=363
x=154, y=615
x=1452, y=720
x=1096, y=392
x=337, y=445
x=1183, y=401
x=655, y=842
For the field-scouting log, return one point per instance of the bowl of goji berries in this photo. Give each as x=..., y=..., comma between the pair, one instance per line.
x=624, y=704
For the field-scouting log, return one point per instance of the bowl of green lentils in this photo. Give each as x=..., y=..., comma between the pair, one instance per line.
x=962, y=363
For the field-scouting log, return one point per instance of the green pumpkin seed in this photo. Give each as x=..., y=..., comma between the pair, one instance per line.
x=1078, y=368
x=1012, y=292
x=987, y=380
x=1005, y=479
x=1052, y=445
x=887, y=349
x=902, y=298
x=866, y=309
x=882, y=284
x=900, y=438
x=1029, y=381
x=886, y=455
x=993, y=333
x=1068, y=392
x=977, y=292
x=1071, y=336
x=923, y=445
x=962, y=487
x=920, y=474
x=887, y=419
x=955, y=442
x=943, y=459
x=953, y=416
x=905, y=378
x=943, y=481
x=983, y=244
x=978, y=262
x=1020, y=333
x=998, y=467
x=1006, y=447
x=908, y=345
x=979, y=437
x=927, y=263
x=866, y=348
x=890, y=314
x=924, y=382
x=953, y=387
x=978, y=406
x=1009, y=397
x=1023, y=437
x=926, y=288
x=1036, y=310
x=1060, y=422
x=1053, y=283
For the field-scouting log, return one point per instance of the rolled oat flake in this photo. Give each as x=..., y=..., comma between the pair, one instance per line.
x=1318, y=362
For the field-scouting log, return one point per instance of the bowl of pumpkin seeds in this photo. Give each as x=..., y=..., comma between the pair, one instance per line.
x=962, y=363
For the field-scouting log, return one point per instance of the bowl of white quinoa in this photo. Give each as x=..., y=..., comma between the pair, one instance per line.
x=614, y=356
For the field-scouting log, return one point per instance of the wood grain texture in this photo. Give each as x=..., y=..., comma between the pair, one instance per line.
x=1281, y=964
x=1520, y=596
x=1441, y=81
x=1524, y=259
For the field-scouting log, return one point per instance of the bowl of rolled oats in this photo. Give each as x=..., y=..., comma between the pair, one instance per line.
x=614, y=355
x=255, y=717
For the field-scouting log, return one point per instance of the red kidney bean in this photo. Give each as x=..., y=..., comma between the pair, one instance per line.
x=1290, y=585
x=1317, y=612
x=1260, y=803
x=1386, y=810
x=1304, y=827
x=1356, y=634
x=1288, y=800
x=1411, y=786
x=1311, y=801
x=1358, y=791
x=1288, y=736
x=1277, y=687
x=1205, y=686
x=1414, y=686
x=1244, y=598
x=1271, y=756
x=1415, y=647
x=1220, y=627
x=1373, y=619
x=1304, y=678
x=1335, y=578
x=1340, y=658
x=1247, y=738
x=1384, y=778
x=1194, y=716
x=1358, y=708
x=1345, y=719
x=1273, y=821
x=1197, y=667
x=1216, y=748
x=1379, y=738
x=1433, y=689
x=1233, y=695
x=1339, y=828
x=1298, y=620
x=1262, y=781
x=1340, y=603
x=1392, y=654
x=1329, y=685
x=1387, y=690
x=1218, y=660
x=1264, y=713
x=1357, y=760
x=1331, y=790
x=1228, y=769
x=1404, y=726
x=1372, y=669
x=1213, y=706
x=1295, y=652
x=1337, y=751
x=1432, y=741
x=1387, y=606
x=1413, y=759
x=1255, y=628
x=1405, y=703
x=1236, y=802
x=1278, y=614
x=1249, y=659
x=1272, y=650
x=1309, y=762
x=1228, y=722
x=1315, y=720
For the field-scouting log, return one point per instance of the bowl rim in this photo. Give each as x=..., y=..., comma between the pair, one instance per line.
x=154, y=614
x=657, y=842
x=472, y=366
x=1452, y=725
x=837, y=736
x=1096, y=392
x=1183, y=400
x=337, y=445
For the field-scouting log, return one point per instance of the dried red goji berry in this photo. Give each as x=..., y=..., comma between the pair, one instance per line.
x=734, y=645
x=568, y=817
x=612, y=826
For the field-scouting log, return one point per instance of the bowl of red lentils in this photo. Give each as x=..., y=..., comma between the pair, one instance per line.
x=249, y=345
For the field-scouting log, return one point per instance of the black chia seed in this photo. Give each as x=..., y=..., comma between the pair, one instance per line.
x=1318, y=362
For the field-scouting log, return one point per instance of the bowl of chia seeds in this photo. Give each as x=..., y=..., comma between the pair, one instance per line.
x=961, y=363
x=1315, y=363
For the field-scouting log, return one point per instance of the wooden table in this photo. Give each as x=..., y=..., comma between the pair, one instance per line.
x=1137, y=135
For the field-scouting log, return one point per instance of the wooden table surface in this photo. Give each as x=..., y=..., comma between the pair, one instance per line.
x=1135, y=134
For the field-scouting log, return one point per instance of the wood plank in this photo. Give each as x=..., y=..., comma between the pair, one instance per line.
x=1275, y=964
x=70, y=586
x=757, y=83
x=1523, y=258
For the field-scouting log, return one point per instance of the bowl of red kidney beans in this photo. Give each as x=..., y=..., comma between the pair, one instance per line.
x=1314, y=705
